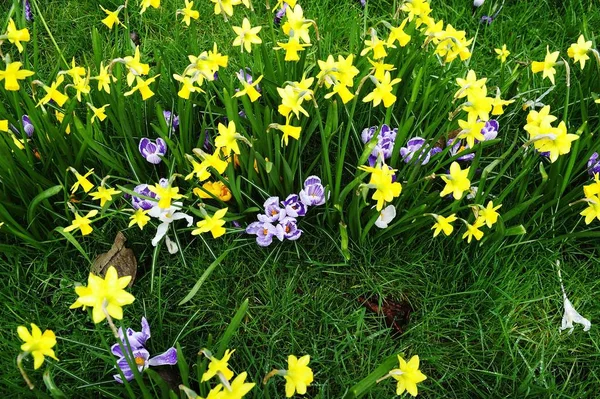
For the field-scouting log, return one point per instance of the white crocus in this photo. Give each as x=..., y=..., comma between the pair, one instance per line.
x=571, y=315
x=386, y=215
x=166, y=217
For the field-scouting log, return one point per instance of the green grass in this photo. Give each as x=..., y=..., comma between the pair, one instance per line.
x=485, y=320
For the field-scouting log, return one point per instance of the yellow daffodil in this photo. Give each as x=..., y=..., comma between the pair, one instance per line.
x=380, y=68
x=383, y=91
x=453, y=44
x=288, y=131
x=140, y=217
x=291, y=101
x=416, y=8
x=104, y=293
x=52, y=92
x=3, y=125
x=557, y=143
x=12, y=74
x=38, y=344
x=546, y=66
x=239, y=388
x=82, y=223
x=398, y=35
x=246, y=35
x=16, y=36
x=382, y=181
x=165, y=194
x=213, y=190
x=187, y=86
x=227, y=138
x=148, y=3
x=471, y=130
x=473, y=231
x=539, y=122
x=214, y=224
x=104, y=194
x=75, y=72
x=249, y=89
x=488, y=215
x=188, y=13
x=470, y=86
x=135, y=66
x=498, y=104
x=143, y=86
x=59, y=117
x=291, y=49
x=479, y=104
x=112, y=17
x=457, y=182
x=290, y=3
x=297, y=376
x=224, y=7
x=503, y=53
x=443, y=224
x=376, y=46
x=81, y=85
x=296, y=26
x=218, y=366
x=597, y=101
x=209, y=161
x=578, y=51
x=408, y=376
x=98, y=112
x=593, y=210
x=82, y=181
x=104, y=78
x=592, y=190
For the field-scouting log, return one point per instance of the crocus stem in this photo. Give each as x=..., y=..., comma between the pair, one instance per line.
x=20, y=358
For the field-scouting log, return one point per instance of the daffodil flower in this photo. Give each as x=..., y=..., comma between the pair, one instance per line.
x=296, y=26
x=473, y=230
x=82, y=223
x=16, y=36
x=557, y=143
x=383, y=91
x=37, y=343
x=12, y=74
x=246, y=35
x=75, y=71
x=135, y=66
x=104, y=295
x=376, y=45
x=81, y=85
x=188, y=13
x=471, y=130
x=214, y=224
x=380, y=68
x=104, y=78
x=98, y=112
x=397, y=34
x=488, y=214
x=249, y=88
x=227, y=138
x=165, y=193
x=112, y=17
x=148, y=3
x=104, y=194
x=217, y=367
x=382, y=180
x=407, y=375
x=288, y=131
x=503, y=53
x=82, y=181
x=457, y=182
x=498, y=104
x=52, y=92
x=546, y=66
x=291, y=49
x=140, y=217
x=443, y=224
x=578, y=51
x=143, y=86
x=200, y=169
x=238, y=388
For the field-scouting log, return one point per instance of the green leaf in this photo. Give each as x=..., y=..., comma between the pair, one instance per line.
x=73, y=241
x=203, y=278
x=369, y=381
x=55, y=392
x=44, y=195
x=232, y=328
x=184, y=369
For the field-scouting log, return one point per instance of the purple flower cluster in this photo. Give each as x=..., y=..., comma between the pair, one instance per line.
x=171, y=120
x=153, y=151
x=414, y=146
x=593, y=164
x=280, y=217
x=385, y=142
x=139, y=353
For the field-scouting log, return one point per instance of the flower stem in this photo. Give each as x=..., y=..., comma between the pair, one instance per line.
x=20, y=358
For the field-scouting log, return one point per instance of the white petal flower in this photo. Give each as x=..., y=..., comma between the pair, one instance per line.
x=386, y=216
x=572, y=316
x=167, y=216
x=171, y=246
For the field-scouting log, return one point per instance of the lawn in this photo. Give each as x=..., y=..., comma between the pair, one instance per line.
x=483, y=316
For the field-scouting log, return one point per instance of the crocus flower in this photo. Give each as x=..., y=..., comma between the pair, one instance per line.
x=153, y=151
x=140, y=355
x=167, y=216
x=289, y=228
x=143, y=203
x=171, y=120
x=279, y=15
x=294, y=207
x=27, y=10
x=368, y=133
x=273, y=212
x=490, y=130
x=593, y=164
x=456, y=148
x=38, y=344
x=386, y=215
x=414, y=146
x=27, y=125
x=264, y=232
x=313, y=193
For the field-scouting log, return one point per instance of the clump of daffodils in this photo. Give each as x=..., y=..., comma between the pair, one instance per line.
x=227, y=388
x=550, y=141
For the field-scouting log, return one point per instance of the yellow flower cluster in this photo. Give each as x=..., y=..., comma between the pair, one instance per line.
x=592, y=197
x=554, y=141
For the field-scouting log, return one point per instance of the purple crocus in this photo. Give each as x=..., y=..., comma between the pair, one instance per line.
x=289, y=228
x=264, y=232
x=27, y=10
x=171, y=120
x=143, y=203
x=415, y=146
x=593, y=164
x=490, y=130
x=294, y=207
x=456, y=148
x=27, y=125
x=363, y=3
x=280, y=14
x=368, y=133
x=153, y=151
x=139, y=353
x=313, y=192
x=273, y=212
